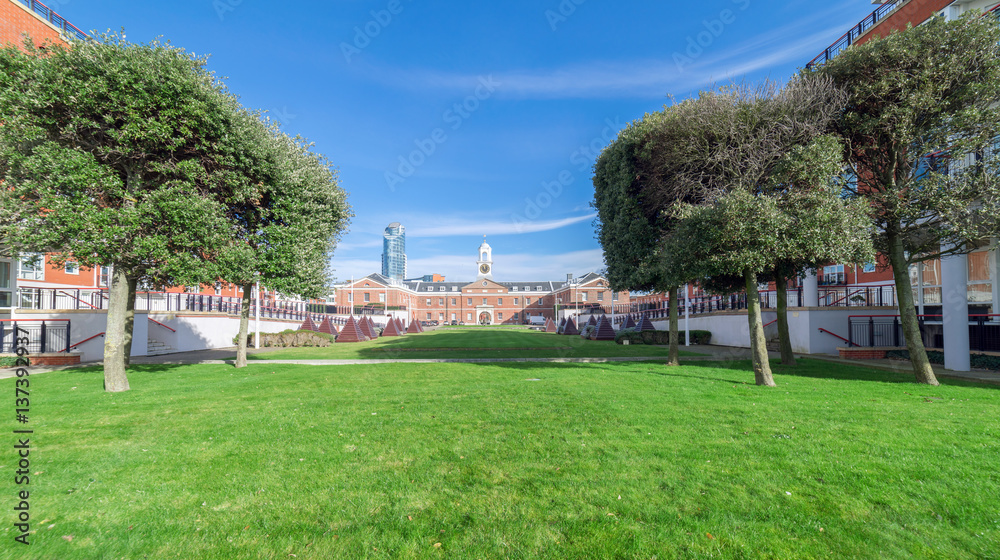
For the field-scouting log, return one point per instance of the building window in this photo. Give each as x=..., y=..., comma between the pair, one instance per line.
x=980, y=283
x=868, y=268
x=440, y=301
x=368, y=297
x=484, y=301
x=468, y=316
x=350, y=297
x=600, y=296
x=930, y=277
x=515, y=316
x=583, y=296
x=428, y=316
x=428, y=302
x=500, y=316
x=5, y=294
x=515, y=301
x=31, y=267
x=833, y=275
x=218, y=288
x=470, y=301
x=453, y=301
x=527, y=301
x=72, y=267
x=499, y=301
x=440, y=316
x=381, y=297
x=105, y=276
x=441, y=289
x=452, y=316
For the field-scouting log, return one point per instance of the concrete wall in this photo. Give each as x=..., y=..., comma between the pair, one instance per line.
x=85, y=324
x=731, y=328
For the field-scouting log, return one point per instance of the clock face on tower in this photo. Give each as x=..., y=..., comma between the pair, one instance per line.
x=484, y=268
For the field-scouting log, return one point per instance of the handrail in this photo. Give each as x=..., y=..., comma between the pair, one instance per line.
x=67, y=294
x=54, y=18
x=821, y=329
x=771, y=323
x=68, y=348
x=854, y=33
x=31, y=320
x=161, y=324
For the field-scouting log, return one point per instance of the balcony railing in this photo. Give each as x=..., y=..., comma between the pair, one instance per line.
x=55, y=19
x=49, y=335
x=852, y=35
x=886, y=331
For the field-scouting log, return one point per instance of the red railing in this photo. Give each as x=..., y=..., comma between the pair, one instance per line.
x=821, y=329
x=55, y=19
x=161, y=324
x=84, y=340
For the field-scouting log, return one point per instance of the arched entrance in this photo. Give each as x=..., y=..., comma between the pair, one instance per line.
x=485, y=319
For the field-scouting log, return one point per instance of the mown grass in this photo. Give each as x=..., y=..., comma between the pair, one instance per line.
x=471, y=342
x=518, y=460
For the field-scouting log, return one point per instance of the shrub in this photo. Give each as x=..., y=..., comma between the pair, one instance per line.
x=587, y=331
x=631, y=334
x=663, y=337
x=11, y=361
x=291, y=339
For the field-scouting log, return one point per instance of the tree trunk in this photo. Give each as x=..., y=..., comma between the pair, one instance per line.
x=674, y=358
x=922, y=369
x=781, y=285
x=241, y=348
x=115, y=351
x=758, y=344
x=129, y=320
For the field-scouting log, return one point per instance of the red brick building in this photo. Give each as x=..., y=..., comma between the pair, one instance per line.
x=483, y=300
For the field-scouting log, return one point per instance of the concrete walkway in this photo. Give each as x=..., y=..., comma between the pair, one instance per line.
x=710, y=353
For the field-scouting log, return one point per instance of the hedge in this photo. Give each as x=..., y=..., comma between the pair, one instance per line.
x=978, y=361
x=291, y=339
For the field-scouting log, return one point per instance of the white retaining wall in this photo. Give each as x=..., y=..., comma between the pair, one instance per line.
x=732, y=329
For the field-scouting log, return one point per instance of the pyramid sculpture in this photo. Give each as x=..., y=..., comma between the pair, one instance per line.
x=327, y=326
x=571, y=327
x=562, y=323
x=307, y=325
x=604, y=330
x=592, y=321
x=373, y=327
x=365, y=327
x=629, y=323
x=414, y=327
x=550, y=326
x=391, y=328
x=351, y=332
x=645, y=324
x=400, y=327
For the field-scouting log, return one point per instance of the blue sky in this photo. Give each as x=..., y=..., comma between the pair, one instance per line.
x=460, y=119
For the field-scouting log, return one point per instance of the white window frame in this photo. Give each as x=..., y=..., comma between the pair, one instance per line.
x=36, y=272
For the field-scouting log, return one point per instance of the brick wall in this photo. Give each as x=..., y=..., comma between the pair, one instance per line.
x=16, y=20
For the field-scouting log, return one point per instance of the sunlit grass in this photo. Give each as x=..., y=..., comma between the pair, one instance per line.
x=624, y=460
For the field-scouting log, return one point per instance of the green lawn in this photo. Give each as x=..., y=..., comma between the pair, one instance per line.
x=507, y=460
x=471, y=342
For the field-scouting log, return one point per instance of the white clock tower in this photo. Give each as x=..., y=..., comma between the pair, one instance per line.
x=485, y=261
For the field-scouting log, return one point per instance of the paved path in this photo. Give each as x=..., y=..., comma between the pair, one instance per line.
x=711, y=353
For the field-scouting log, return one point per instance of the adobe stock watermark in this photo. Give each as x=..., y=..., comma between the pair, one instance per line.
x=562, y=13
x=583, y=157
x=454, y=117
x=282, y=116
x=223, y=7
x=713, y=29
x=365, y=34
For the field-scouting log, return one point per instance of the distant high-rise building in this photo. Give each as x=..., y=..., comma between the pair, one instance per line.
x=394, y=251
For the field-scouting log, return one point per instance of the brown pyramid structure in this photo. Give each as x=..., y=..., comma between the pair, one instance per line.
x=373, y=327
x=570, y=327
x=400, y=327
x=414, y=327
x=645, y=324
x=351, y=332
x=307, y=325
x=550, y=326
x=327, y=326
x=592, y=321
x=391, y=328
x=604, y=330
x=562, y=323
x=365, y=327
x=629, y=323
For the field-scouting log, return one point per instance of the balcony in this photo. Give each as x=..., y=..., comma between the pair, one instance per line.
x=55, y=19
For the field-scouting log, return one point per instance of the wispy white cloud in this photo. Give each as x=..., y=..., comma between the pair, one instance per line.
x=498, y=227
x=646, y=78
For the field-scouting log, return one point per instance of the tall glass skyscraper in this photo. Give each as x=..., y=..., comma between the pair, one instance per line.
x=394, y=251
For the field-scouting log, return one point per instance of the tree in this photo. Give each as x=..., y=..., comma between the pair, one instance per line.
x=115, y=153
x=929, y=91
x=631, y=224
x=730, y=144
x=284, y=234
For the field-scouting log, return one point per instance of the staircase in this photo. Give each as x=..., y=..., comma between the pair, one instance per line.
x=774, y=345
x=155, y=348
